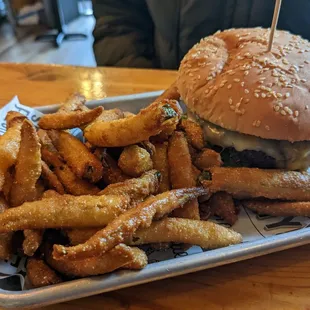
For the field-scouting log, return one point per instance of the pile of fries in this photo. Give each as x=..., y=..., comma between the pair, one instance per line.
x=81, y=208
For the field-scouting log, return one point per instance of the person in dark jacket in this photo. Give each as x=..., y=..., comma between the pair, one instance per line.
x=158, y=33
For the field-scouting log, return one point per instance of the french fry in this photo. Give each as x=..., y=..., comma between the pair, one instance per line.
x=46, y=141
x=181, y=173
x=110, y=115
x=51, y=179
x=32, y=241
x=40, y=274
x=76, y=102
x=207, y=235
x=208, y=158
x=135, y=160
x=128, y=114
x=127, y=224
x=245, y=183
x=279, y=208
x=72, y=184
x=78, y=236
x=6, y=250
x=137, y=189
x=111, y=172
x=170, y=93
x=77, y=156
x=193, y=131
x=160, y=162
x=27, y=168
x=223, y=206
x=131, y=130
x=50, y=194
x=9, y=144
x=69, y=120
x=64, y=211
x=121, y=256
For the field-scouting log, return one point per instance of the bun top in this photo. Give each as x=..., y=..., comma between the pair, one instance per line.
x=230, y=80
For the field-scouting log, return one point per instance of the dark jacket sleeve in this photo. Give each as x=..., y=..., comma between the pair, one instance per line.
x=123, y=33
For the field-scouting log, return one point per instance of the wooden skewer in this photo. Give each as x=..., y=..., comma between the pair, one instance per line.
x=274, y=23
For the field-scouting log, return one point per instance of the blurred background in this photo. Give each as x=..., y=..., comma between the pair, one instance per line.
x=34, y=31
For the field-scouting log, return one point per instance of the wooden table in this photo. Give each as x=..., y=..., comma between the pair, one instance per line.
x=276, y=281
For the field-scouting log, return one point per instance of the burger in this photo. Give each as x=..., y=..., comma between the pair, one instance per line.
x=254, y=105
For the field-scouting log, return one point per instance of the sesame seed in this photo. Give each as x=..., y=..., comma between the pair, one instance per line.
x=306, y=62
x=257, y=91
x=287, y=95
x=246, y=72
x=238, y=105
x=263, y=95
x=279, y=95
x=247, y=101
x=230, y=101
x=301, y=66
x=242, y=84
x=306, y=107
x=229, y=86
x=285, y=61
x=256, y=95
x=296, y=113
x=288, y=110
x=258, y=123
x=282, y=79
x=280, y=104
x=232, y=107
x=276, y=108
x=246, y=91
x=237, y=80
x=231, y=73
x=267, y=127
x=262, y=78
x=303, y=80
x=191, y=74
x=283, y=112
x=269, y=85
x=207, y=91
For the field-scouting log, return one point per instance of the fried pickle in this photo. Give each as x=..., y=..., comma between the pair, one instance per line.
x=244, y=183
x=131, y=130
x=40, y=274
x=135, y=160
x=181, y=173
x=128, y=223
x=77, y=156
x=208, y=158
x=64, y=211
x=207, y=235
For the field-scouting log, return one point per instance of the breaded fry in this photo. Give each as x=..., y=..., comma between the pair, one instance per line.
x=160, y=163
x=148, y=122
x=12, y=118
x=128, y=223
x=111, y=172
x=27, y=168
x=50, y=194
x=8, y=182
x=9, y=145
x=244, y=183
x=72, y=184
x=77, y=156
x=128, y=114
x=51, y=180
x=121, y=256
x=137, y=189
x=223, y=206
x=81, y=235
x=110, y=115
x=46, y=140
x=5, y=239
x=170, y=93
x=194, y=132
x=135, y=160
x=32, y=241
x=76, y=102
x=207, y=235
x=69, y=120
x=279, y=208
x=181, y=173
x=40, y=274
x=208, y=158
x=64, y=211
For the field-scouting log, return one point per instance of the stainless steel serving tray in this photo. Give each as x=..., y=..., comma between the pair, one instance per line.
x=155, y=271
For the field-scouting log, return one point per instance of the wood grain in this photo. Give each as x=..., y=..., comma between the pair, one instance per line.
x=275, y=281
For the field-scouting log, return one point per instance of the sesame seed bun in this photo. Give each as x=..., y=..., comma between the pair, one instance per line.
x=230, y=80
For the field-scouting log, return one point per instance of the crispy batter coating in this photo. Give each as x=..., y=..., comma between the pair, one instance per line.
x=27, y=168
x=69, y=120
x=40, y=274
x=51, y=180
x=50, y=193
x=5, y=239
x=137, y=189
x=64, y=211
x=208, y=158
x=244, y=183
x=135, y=160
x=194, y=132
x=131, y=130
x=9, y=145
x=121, y=256
x=111, y=172
x=208, y=235
x=110, y=115
x=8, y=182
x=279, y=208
x=76, y=102
x=32, y=241
x=78, y=157
x=128, y=223
x=77, y=236
x=160, y=162
x=223, y=206
x=72, y=184
x=181, y=173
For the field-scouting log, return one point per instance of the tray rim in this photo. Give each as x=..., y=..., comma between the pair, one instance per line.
x=166, y=269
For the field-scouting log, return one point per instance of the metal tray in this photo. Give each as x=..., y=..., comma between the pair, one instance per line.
x=155, y=271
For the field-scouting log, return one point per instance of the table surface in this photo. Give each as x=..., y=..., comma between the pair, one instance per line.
x=275, y=281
